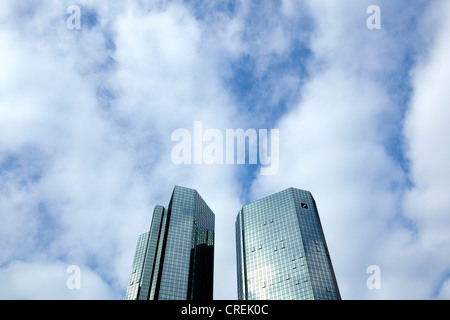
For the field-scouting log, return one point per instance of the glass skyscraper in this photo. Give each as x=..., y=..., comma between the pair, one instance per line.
x=174, y=260
x=281, y=250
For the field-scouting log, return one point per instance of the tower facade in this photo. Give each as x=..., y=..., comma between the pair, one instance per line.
x=281, y=250
x=174, y=260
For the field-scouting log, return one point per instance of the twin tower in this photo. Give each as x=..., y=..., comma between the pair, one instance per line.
x=281, y=251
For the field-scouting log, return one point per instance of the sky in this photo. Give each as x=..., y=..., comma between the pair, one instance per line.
x=87, y=115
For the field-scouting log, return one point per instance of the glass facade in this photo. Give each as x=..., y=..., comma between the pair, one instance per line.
x=281, y=250
x=175, y=259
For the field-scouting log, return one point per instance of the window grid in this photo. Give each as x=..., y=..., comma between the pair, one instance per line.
x=284, y=250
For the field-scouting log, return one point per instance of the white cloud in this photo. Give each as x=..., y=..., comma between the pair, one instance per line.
x=49, y=280
x=82, y=172
x=444, y=293
x=427, y=130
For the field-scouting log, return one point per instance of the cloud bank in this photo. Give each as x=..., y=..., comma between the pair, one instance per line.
x=86, y=118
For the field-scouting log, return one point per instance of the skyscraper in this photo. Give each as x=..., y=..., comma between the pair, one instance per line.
x=281, y=250
x=174, y=260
